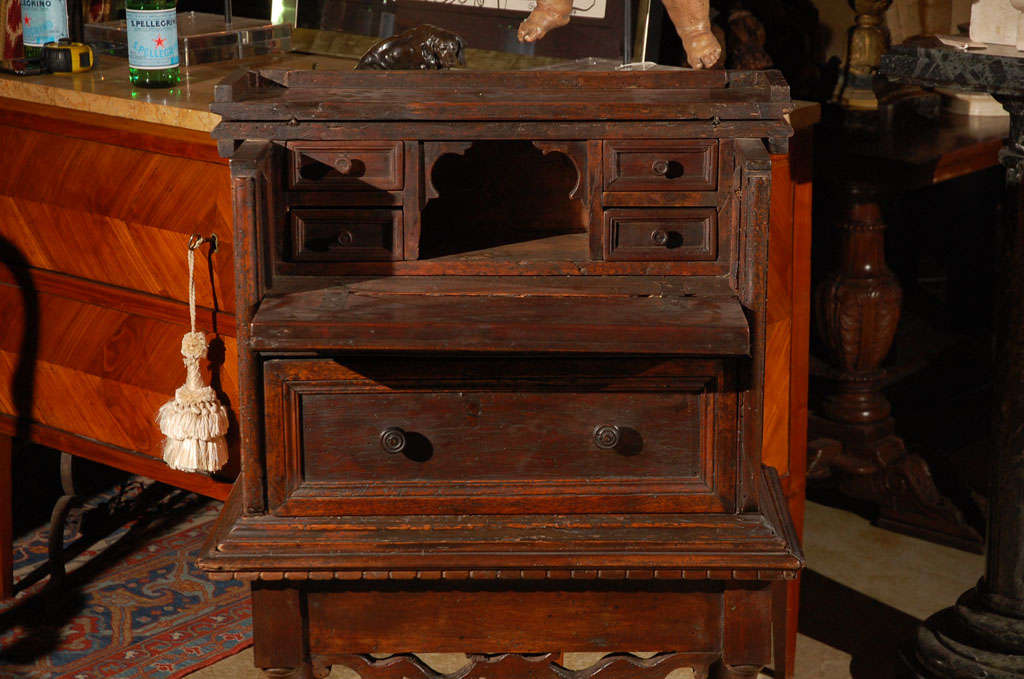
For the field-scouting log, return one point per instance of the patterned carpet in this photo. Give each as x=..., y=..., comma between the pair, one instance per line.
x=133, y=603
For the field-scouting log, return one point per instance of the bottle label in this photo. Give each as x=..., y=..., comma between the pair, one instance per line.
x=152, y=38
x=43, y=21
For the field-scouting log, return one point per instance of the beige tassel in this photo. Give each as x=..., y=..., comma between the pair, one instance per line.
x=194, y=422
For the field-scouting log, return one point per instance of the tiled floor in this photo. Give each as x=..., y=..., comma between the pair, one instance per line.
x=863, y=593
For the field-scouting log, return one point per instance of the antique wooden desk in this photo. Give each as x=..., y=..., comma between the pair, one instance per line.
x=501, y=369
x=135, y=307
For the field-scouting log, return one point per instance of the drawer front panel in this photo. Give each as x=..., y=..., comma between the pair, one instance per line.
x=343, y=235
x=346, y=166
x=643, y=165
x=495, y=435
x=500, y=436
x=675, y=234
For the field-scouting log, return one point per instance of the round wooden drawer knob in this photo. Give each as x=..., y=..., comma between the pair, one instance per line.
x=393, y=440
x=607, y=436
x=659, y=237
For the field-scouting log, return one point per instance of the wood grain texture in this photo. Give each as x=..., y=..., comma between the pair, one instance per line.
x=128, y=460
x=687, y=546
x=498, y=435
x=486, y=540
x=150, y=137
x=277, y=627
x=747, y=613
x=779, y=320
x=112, y=214
x=787, y=349
x=334, y=318
x=535, y=95
x=95, y=214
x=255, y=201
x=101, y=372
x=489, y=620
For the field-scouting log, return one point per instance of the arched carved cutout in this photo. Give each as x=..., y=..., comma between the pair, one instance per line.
x=520, y=665
x=486, y=194
x=575, y=151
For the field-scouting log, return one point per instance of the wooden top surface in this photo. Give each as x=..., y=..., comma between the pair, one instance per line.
x=925, y=154
x=505, y=95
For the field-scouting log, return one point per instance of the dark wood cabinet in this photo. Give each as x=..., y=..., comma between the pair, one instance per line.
x=502, y=346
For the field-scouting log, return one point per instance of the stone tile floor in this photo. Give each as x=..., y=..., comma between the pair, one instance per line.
x=863, y=593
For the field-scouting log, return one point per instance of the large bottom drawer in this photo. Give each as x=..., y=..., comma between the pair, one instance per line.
x=401, y=435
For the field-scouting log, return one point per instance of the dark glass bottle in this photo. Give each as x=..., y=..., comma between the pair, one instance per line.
x=152, y=42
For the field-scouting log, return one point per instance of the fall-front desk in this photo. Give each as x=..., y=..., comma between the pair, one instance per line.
x=99, y=193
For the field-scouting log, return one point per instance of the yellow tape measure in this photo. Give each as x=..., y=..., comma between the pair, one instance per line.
x=65, y=56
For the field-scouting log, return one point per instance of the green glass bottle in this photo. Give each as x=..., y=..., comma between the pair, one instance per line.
x=152, y=42
x=43, y=21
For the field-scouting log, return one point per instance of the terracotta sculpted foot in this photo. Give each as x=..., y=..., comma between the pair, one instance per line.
x=690, y=17
x=703, y=47
x=546, y=16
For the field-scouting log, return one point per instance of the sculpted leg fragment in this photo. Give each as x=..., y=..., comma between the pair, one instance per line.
x=547, y=15
x=690, y=18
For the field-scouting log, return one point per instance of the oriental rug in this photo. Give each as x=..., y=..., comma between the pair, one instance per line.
x=133, y=604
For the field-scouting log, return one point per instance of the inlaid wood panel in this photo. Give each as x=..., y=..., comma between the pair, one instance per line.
x=787, y=345
x=101, y=372
x=778, y=314
x=114, y=214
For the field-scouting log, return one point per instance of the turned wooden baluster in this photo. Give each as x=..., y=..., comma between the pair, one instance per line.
x=858, y=309
x=868, y=40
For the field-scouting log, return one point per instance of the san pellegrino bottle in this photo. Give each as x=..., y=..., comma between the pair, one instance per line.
x=152, y=42
x=42, y=21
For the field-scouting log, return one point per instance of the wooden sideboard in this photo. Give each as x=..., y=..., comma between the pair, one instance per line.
x=95, y=215
x=502, y=338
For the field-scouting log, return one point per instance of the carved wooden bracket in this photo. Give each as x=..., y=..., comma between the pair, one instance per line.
x=576, y=151
x=432, y=151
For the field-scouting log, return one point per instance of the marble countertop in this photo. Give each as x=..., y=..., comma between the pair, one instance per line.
x=107, y=90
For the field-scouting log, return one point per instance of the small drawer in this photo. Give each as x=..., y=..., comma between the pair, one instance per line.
x=348, y=166
x=345, y=235
x=673, y=234
x=642, y=165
